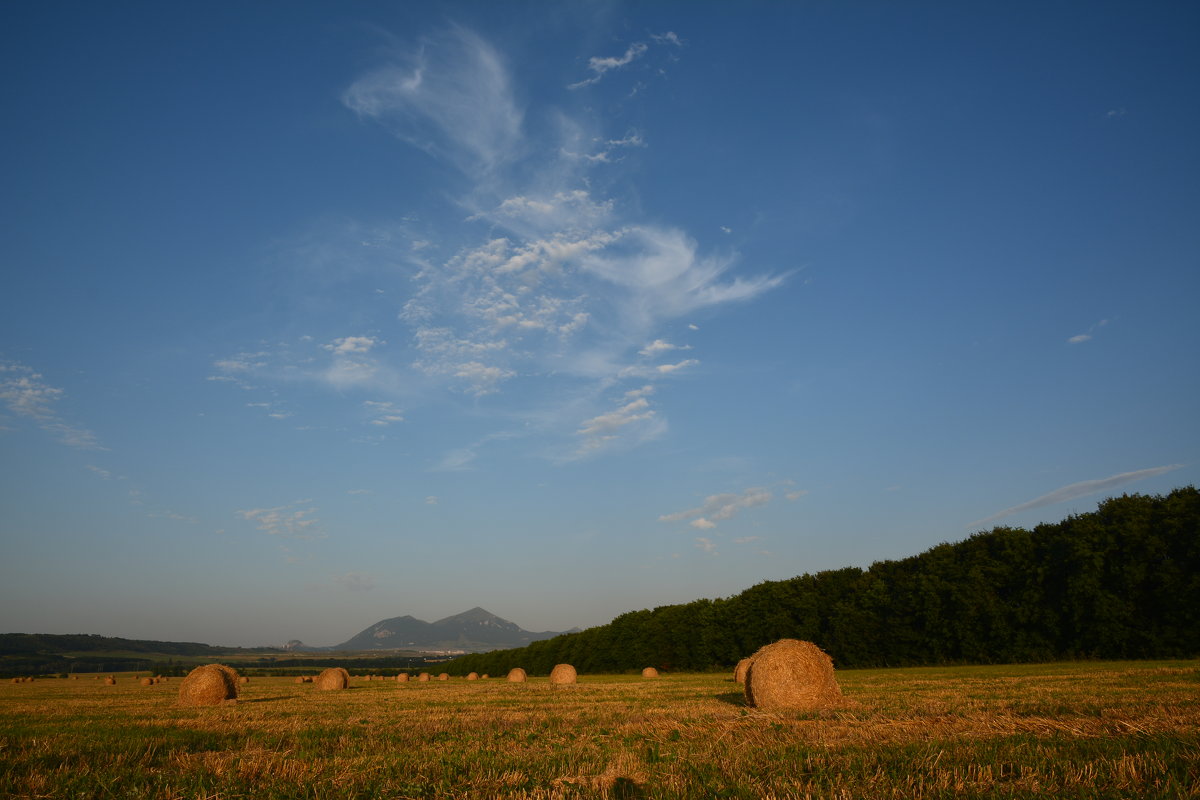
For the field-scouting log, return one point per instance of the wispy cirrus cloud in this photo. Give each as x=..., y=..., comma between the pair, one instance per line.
x=1080, y=338
x=1081, y=489
x=451, y=96
x=720, y=507
x=291, y=520
x=541, y=281
x=27, y=394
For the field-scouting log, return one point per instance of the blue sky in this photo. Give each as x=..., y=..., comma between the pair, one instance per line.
x=316, y=314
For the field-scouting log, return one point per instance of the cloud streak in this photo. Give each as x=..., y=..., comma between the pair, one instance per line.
x=27, y=394
x=1074, y=490
x=719, y=508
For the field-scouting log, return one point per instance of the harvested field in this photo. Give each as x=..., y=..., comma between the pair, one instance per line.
x=1124, y=729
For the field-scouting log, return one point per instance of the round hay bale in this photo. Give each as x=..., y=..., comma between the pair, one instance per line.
x=332, y=679
x=739, y=672
x=209, y=685
x=562, y=674
x=472, y=676
x=516, y=675
x=243, y=679
x=649, y=672
x=483, y=677
x=445, y=676
x=791, y=674
x=423, y=677
x=18, y=680
x=299, y=679
x=147, y=681
x=110, y=681
x=402, y=677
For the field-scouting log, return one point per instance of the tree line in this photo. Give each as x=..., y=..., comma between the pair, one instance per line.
x=1122, y=582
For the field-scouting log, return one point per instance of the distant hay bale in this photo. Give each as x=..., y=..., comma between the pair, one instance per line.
x=244, y=679
x=472, y=676
x=332, y=679
x=516, y=675
x=563, y=674
x=483, y=677
x=147, y=681
x=209, y=685
x=445, y=676
x=423, y=677
x=18, y=680
x=110, y=681
x=299, y=679
x=402, y=677
x=739, y=672
x=649, y=672
x=791, y=674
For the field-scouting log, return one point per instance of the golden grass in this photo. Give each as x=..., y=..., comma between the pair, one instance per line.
x=1112, y=730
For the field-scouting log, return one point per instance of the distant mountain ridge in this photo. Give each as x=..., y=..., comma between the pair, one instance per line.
x=473, y=631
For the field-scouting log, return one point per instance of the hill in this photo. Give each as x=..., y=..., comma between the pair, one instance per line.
x=471, y=631
x=1120, y=582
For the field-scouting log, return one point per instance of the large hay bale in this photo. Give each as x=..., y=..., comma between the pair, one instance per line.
x=402, y=677
x=791, y=674
x=332, y=678
x=649, y=672
x=739, y=672
x=209, y=685
x=516, y=675
x=563, y=674
x=423, y=677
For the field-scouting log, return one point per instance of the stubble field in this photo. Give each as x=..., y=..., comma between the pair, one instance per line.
x=1129, y=729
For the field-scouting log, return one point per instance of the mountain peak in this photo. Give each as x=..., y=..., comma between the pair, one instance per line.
x=474, y=630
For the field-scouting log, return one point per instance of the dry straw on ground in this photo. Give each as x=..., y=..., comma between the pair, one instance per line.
x=332, y=678
x=516, y=675
x=563, y=674
x=649, y=672
x=791, y=674
x=739, y=672
x=209, y=685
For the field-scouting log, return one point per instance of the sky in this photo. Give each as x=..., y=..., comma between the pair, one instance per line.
x=315, y=314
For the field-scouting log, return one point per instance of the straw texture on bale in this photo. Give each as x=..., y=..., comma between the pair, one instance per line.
x=332, y=678
x=402, y=677
x=739, y=672
x=472, y=676
x=209, y=685
x=791, y=674
x=649, y=672
x=562, y=674
x=516, y=675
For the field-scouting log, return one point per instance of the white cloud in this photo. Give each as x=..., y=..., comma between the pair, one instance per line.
x=707, y=545
x=352, y=344
x=431, y=500
x=285, y=521
x=451, y=97
x=661, y=346
x=720, y=507
x=702, y=523
x=666, y=369
x=382, y=413
x=600, y=65
x=27, y=394
x=1081, y=489
x=1087, y=336
x=796, y=495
